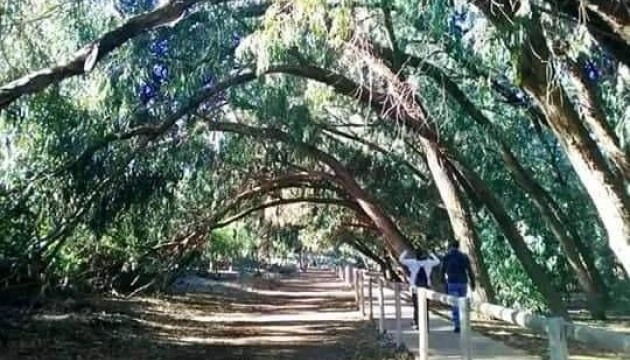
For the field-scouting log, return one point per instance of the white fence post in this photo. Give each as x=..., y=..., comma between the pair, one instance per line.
x=464, y=318
x=381, y=304
x=556, y=330
x=355, y=278
x=362, y=292
x=423, y=325
x=370, y=285
x=398, y=314
x=347, y=276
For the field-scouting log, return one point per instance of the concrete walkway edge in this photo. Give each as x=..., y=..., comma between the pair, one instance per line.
x=443, y=342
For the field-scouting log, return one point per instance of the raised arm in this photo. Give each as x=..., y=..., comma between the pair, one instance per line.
x=403, y=259
x=433, y=260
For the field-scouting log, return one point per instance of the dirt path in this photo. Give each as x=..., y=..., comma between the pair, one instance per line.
x=306, y=318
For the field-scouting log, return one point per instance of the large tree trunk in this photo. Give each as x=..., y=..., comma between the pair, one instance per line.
x=537, y=74
x=383, y=262
x=608, y=21
x=363, y=249
x=587, y=274
x=536, y=272
x=595, y=119
x=461, y=221
x=396, y=241
x=605, y=189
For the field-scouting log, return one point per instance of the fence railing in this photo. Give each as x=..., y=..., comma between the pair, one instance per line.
x=557, y=329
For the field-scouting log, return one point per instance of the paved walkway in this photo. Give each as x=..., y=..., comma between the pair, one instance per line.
x=443, y=342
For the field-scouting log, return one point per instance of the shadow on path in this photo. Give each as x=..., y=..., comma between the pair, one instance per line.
x=308, y=317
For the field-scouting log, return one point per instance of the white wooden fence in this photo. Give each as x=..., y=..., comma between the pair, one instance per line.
x=557, y=329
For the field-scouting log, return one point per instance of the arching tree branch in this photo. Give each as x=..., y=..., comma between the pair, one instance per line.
x=85, y=59
x=407, y=164
x=279, y=202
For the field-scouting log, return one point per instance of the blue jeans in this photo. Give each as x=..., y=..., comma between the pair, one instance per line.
x=458, y=290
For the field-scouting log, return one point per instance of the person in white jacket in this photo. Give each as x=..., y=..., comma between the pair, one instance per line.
x=418, y=271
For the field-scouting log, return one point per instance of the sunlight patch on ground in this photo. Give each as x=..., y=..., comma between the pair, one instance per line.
x=252, y=340
x=165, y=326
x=317, y=300
x=276, y=307
x=49, y=317
x=303, y=316
x=322, y=285
x=302, y=294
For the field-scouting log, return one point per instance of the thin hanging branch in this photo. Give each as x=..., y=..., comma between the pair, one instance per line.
x=85, y=59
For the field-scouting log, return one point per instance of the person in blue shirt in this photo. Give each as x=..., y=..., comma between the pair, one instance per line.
x=418, y=271
x=456, y=267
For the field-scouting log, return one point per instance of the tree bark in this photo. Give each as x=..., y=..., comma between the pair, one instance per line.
x=605, y=189
x=583, y=266
x=595, y=119
x=537, y=273
x=461, y=220
x=603, y=186
x=355, y=243
x=608, y=21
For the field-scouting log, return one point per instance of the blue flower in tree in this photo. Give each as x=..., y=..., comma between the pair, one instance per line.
x=609, y=64
x=159, y=48
x=235, y=39
x=159, y=73
x=459, y=23
x=148, y=92
x=208, y=81
x=460, y=16
x=520, y=96
x=591, y=71
x=220, y=97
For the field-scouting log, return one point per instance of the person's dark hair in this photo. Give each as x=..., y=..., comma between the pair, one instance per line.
x=420, y=254
x=453, y=244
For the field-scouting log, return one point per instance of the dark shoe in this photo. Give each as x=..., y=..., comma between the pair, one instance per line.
x=457, y=330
